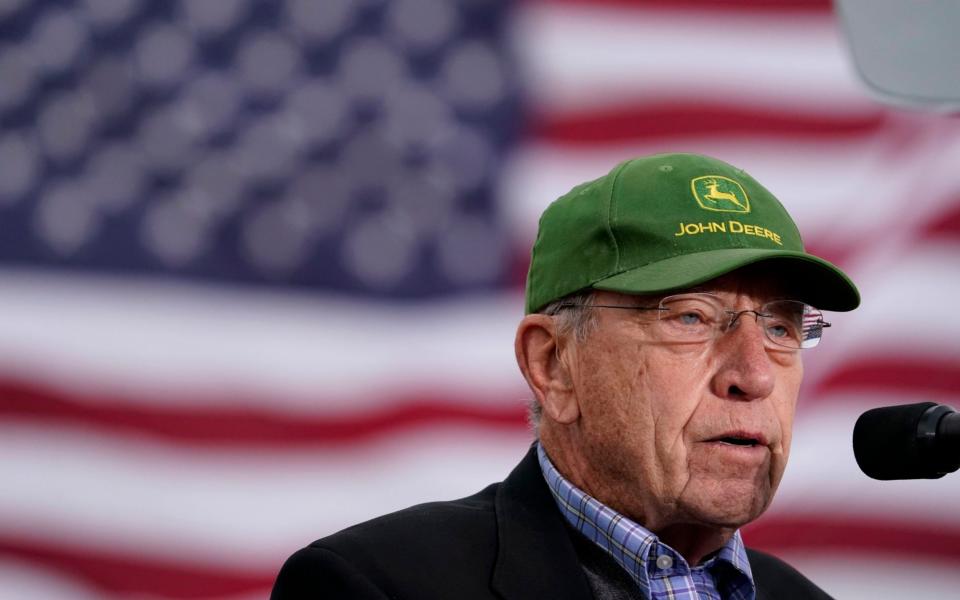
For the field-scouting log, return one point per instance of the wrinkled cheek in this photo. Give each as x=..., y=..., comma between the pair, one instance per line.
x=671, y=467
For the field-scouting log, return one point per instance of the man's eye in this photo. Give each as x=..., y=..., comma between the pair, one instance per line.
x=782, y=330
x=778, y=331
x=690, y=318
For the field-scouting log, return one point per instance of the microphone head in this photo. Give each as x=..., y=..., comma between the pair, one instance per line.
x=887, y=446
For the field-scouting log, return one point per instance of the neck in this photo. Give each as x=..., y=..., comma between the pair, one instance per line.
x=694, y=542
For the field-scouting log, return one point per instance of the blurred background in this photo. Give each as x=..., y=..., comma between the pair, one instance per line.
x=261, y=263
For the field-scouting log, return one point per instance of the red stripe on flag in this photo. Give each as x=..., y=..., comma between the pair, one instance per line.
x=894, y=373
x=946, y=225
x=132, y=574
x=861, y=535
x=227, y=424
x=663, y=121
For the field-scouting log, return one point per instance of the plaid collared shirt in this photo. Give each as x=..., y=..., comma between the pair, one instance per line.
x=659, y=570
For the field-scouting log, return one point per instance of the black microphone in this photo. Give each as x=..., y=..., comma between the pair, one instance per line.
x=912, y=441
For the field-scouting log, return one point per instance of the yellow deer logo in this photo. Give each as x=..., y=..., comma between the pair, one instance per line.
x=721, y=194
x=716, y=195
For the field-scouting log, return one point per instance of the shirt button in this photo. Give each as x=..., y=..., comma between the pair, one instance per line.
x=664, y=562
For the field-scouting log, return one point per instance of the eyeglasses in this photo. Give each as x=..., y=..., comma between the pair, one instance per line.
x=701, y=317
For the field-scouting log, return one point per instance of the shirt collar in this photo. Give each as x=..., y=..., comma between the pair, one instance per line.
x=634, y=548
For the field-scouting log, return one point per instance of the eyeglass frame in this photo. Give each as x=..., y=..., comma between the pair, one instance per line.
x=734, y=315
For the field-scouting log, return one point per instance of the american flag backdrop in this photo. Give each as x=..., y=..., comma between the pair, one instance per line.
x=261, y=262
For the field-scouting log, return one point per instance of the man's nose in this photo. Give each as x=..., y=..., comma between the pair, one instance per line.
x=745, y=371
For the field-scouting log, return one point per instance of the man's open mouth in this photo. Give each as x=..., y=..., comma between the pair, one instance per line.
x=747, y=439
x=738, y=441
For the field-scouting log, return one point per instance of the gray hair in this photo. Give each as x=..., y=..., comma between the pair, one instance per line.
x=574, y=321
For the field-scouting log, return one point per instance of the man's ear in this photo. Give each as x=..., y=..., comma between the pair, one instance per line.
x=538, y=353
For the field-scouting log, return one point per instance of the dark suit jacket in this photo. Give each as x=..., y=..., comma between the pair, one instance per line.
x=508, y=541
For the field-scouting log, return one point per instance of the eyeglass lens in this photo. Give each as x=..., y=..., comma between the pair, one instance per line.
x=698, y=317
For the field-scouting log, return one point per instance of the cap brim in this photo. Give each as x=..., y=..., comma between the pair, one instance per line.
x=811, y=279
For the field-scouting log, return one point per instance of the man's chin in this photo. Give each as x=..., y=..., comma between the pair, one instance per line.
x=729, y=508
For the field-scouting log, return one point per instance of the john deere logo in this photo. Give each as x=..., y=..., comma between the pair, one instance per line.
x=721, y=194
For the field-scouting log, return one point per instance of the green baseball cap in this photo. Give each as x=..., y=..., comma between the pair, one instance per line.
x=672, y=221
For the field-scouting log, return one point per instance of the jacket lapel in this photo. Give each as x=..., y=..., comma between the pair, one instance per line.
x=535, y=558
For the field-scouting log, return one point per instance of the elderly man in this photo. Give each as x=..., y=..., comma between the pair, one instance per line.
x=668, y=304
